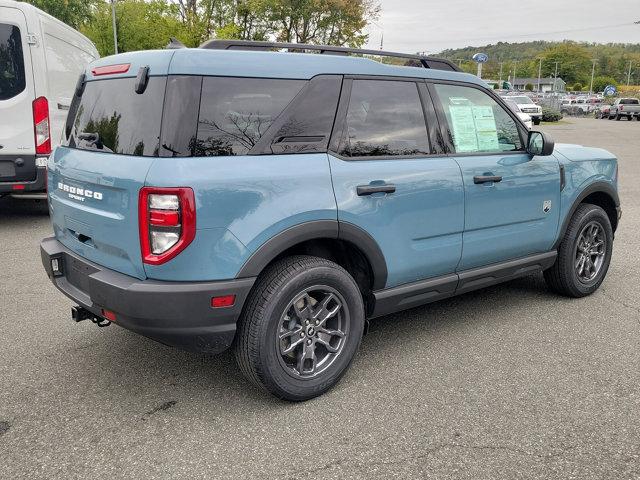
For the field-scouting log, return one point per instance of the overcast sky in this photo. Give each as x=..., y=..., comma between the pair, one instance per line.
x=435, y=25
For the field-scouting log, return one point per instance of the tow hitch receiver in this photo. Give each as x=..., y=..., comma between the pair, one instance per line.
x=78, y=314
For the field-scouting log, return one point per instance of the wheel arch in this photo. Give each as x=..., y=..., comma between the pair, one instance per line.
x=321, y=237
x=602, y=194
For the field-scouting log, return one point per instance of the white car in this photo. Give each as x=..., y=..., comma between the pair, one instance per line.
x=526, y=105
x=41, y=59
x=525, y=117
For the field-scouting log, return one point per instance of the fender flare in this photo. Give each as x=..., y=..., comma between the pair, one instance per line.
x=596, y=187
x=316, y=230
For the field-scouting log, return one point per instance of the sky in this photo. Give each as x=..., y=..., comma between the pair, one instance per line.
x=434, y=25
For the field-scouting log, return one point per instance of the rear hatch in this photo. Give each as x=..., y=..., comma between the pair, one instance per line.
x=110, y=141
x=17, y=144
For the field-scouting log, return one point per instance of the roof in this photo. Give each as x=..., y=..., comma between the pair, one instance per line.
x=534, y=81
x=266, y=64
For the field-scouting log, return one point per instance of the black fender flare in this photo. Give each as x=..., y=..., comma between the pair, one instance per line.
x=316, y=230
x=596, y=187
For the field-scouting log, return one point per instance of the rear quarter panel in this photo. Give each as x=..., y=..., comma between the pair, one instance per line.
x=241, y=202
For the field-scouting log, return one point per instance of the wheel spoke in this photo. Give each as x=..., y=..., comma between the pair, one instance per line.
x=303, y=312
x=308, y=354
x=331, y=333
x=326, y=342
x=294, y=344
x=323, y=312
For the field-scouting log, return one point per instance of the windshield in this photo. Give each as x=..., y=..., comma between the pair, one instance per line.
x=521, y=100
x=12, y=79
x=112, y=118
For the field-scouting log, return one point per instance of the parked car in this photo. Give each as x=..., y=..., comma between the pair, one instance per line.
x=602, y=111
x=526, y=119
x=526, y=105
x=273, y=202
x=625, y=107
x=40, y=60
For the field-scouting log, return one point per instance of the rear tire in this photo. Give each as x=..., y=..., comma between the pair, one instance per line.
x=282, y=344
x=584, y=254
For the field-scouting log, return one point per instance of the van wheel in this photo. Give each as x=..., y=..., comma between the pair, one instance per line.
x=584, y=254
x=300, y=328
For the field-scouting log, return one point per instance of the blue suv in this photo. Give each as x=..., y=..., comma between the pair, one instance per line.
x=274, y=201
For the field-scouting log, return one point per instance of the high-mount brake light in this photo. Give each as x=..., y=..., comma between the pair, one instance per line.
x=110, y=69
x=41, y=128
x=167, y=221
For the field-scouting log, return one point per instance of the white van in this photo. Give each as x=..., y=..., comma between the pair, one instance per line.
x=41, y=59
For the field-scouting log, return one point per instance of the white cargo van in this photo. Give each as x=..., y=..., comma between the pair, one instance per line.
x=40, y=61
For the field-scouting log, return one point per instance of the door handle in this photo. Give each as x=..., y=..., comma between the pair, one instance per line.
x=370, y=189
x=486, y=179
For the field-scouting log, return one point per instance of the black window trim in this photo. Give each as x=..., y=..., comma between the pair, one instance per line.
x=340, y=124
x=444, y=124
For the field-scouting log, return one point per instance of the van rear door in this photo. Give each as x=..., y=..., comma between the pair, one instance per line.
x=17, y=144
x=112, y=139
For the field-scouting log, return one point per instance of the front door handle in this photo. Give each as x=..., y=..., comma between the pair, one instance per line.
x=486, y=179
x=371, y=189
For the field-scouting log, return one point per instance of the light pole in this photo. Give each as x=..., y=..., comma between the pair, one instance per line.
x=539, y=73
x=501, y=63
x=113, y=21
x=629, y=73
x=555, y=77
x=593, y=70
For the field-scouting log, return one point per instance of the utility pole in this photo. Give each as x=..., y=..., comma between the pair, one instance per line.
x=629, y=73
x=113, y=21
x=555, y=77
x=501, y=63
x=513, y=83
x=593, y=70
x=539, y=73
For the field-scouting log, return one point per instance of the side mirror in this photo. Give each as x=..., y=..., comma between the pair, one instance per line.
x=539, y=143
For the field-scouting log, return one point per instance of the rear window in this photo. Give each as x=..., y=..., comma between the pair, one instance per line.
x=112, y=118
x=630, y=101
x=12, y=79
x=236, y=112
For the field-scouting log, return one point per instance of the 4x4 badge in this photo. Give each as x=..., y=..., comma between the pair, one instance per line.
x=546, y=206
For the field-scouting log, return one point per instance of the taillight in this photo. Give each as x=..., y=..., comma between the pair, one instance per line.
x=41, y=126
x=621, y=107
x=167, y=220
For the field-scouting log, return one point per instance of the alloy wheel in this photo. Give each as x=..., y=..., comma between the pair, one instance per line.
x=590, y=252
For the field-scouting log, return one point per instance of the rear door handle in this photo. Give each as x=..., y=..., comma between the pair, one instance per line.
x=371, y=189
x=486, y=179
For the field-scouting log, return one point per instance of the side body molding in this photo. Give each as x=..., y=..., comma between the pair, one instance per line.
x=316, y=230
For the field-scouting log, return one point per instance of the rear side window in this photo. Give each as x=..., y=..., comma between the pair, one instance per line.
x=384, y=118
x=112, y=118
x=236, y=112
x=12, y=79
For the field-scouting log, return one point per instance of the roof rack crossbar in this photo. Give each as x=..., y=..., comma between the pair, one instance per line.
x=425, y=61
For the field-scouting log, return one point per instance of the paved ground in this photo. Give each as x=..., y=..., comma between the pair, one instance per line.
x=509, y=382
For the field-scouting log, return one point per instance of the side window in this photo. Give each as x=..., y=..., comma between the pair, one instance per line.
x=236, y=112
x=384, y=118
x=12, y=78
x=477, y=122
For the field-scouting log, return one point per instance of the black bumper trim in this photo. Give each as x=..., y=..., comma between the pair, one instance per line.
x=174, y=313
x=37, y=185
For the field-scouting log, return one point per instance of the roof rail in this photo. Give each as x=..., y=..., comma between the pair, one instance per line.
x=418, y=60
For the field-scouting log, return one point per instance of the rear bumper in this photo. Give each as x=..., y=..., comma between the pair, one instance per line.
x=174, y=313
x=17, y=188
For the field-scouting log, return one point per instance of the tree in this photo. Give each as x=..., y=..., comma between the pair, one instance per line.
x=529, y=87
x=71, y=12
x=142, y=25
x=600, y=82
x=573, y=60
x=577, y=87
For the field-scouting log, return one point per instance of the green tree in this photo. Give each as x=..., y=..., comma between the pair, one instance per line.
x=71, y=12
x=529, y=87
x=577, y=87
x=574, y=61
x=600, y=82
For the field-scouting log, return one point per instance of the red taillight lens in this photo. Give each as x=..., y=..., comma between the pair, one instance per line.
x=109, y=315
x=41, y=126
x=222, y=302
x=110, y=69
x=167, y=221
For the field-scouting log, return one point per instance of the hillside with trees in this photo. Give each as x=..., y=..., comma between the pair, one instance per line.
x=574, y=61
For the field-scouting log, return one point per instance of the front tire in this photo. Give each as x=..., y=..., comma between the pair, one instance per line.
x=584, y=254
x=301, y=328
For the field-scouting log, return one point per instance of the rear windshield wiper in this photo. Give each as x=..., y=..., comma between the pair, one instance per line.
x=92, y=138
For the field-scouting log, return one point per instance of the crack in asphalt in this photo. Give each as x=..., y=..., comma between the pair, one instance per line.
x=412, y=456
x=620, y=302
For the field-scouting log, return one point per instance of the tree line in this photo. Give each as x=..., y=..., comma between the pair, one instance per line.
x=148, y=24
x=574, y=62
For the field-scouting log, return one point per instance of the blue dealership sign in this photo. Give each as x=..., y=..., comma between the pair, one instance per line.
x=481, y=57
x=610, y=90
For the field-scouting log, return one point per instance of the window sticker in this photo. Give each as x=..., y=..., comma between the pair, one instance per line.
x=474, y=128
x=464, y=128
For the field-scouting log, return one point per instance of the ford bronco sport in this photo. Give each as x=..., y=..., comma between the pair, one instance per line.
x=274, y=201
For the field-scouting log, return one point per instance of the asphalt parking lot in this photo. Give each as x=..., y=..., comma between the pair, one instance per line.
x=508, y=382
